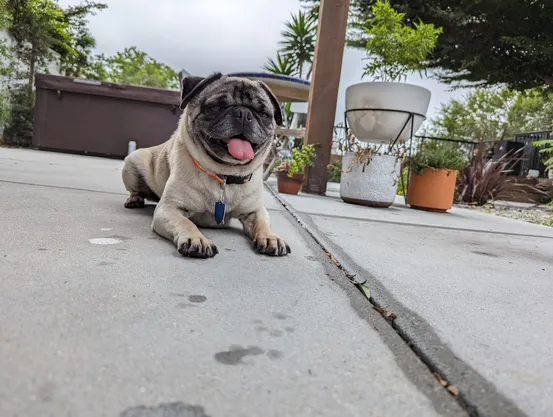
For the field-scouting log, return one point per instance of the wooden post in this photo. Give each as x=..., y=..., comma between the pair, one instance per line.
x=323, y=95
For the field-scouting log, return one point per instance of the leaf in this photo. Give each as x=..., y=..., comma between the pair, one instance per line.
x=365, y=290
x=453, y=390
x=442, y=381
x=388, y=315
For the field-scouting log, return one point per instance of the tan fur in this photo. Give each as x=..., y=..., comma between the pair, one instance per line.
x=188, y=195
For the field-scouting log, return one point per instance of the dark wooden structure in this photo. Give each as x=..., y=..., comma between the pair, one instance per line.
x=323, y=95
x=98, y=118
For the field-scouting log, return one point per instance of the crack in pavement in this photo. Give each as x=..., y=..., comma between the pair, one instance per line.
x=477, y=396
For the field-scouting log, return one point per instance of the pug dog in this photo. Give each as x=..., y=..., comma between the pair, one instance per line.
x=210, y=170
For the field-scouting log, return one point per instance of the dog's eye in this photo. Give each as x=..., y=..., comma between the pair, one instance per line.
x=212, y=107
x=265, y=115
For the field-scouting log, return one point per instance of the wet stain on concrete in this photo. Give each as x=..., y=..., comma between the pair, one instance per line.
x=257, y=321
x=176, y=409
x=123, y=238
x=280, y=316
x=235, y=354
x=46, y=392
x=261, y=329
x=491, y=255
x=105, y=263
x=290, y=329
x=197, y=298
x=276, y=333
x=42, y=249
x=275, y=354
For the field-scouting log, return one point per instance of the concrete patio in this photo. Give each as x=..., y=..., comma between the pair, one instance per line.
x=100, y=317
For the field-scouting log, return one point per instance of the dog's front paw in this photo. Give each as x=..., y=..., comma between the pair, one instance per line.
x=197, y=247
x=271, y=244
x=134, y=201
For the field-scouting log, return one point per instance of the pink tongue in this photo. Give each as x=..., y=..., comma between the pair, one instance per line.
x=240, y=149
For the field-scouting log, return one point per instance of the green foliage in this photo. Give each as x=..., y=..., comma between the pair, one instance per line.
x=81, y=40
x=485, y=42
x=297, y=47
x=395, y=48
x=284, y=65
x=334, y=171
x=402, y=182
x=19, y=131
x=299, y=41
x=133, y=67
x=546, y=149
x=437, y=156
x=492, y=114
x=38, y=27
x=301, y=158
x=5, y=15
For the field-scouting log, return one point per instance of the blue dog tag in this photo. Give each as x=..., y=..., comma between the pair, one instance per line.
x=220, y=212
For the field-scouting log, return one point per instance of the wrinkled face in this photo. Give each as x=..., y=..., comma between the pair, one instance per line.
x=232, y=119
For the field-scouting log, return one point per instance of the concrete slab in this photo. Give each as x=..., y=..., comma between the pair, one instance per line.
x=471, y=291
x=130, y=328
x=456, y=219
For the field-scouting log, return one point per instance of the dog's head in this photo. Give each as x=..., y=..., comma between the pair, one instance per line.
x=230, y=121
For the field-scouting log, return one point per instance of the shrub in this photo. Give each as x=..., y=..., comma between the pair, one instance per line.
x=437, y=156
x=19, y=129
x=335, y=171
x=301, y=158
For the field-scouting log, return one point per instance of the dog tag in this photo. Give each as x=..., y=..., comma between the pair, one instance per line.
x=220, y=208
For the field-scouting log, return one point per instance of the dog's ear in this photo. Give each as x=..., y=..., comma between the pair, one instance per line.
x=277, y=110
x=192, y=86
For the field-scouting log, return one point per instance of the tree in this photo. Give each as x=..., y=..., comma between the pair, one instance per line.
x=395, y=48
x=485, y=43
x=492, y=114
x=299, y=41
x=39, y=28
x=133, y=67
x=82, y=42
x=284, y=65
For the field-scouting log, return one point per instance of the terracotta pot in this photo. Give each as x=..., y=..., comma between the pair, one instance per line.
x=287, y=185
x=433, y=190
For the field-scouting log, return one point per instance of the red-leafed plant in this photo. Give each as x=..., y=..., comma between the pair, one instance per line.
x=482, y=181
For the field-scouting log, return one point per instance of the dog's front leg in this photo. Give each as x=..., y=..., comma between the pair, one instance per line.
x=257, y=228
x=172, y=223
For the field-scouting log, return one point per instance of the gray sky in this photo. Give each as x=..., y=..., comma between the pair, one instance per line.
x=203, y=36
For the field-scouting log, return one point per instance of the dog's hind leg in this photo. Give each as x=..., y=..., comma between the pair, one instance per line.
x=134, y=181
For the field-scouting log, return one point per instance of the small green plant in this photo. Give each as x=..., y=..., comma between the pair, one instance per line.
x=302, y=157
x=334, y=171
x=395, y=48
x=437, y=156
x=546, y=146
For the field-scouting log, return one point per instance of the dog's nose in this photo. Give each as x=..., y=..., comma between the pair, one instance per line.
x=244, y=115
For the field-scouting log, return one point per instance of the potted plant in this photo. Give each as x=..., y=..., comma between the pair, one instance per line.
x=370, y=174
x=433, y=176
x=290, y=173
x=379, y=111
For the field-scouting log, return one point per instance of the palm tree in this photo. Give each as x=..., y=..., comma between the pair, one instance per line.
x=299, y=41
x=283, y=65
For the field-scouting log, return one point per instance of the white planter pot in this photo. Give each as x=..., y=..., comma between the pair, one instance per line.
x=374, y=184
x=381, y=126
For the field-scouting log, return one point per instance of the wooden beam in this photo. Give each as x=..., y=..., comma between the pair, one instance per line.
x=323, y=94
